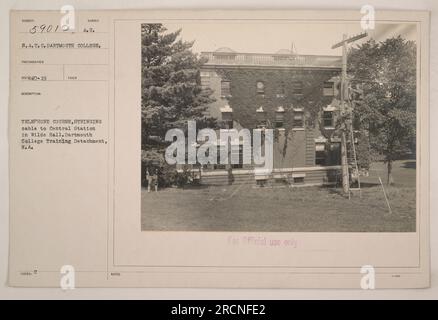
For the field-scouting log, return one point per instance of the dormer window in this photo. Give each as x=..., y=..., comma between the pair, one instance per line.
x=225, y=54
x=285, y=54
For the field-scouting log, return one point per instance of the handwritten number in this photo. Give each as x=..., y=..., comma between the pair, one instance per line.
x=44, y=28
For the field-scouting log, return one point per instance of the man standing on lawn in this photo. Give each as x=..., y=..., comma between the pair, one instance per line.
x=152, y=180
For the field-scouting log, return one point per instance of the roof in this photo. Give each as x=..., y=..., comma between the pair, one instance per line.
x=224, y=50
x=284, y=51
x=279, y=59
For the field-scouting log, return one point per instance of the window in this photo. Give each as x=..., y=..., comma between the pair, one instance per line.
x=335, y=154
x=298, y=121
x=205, y=79
x=320, y=154
x=227, y=116
x=262, y=124
x=226, y=123
x=219, y=165
x=328, y=89
x=225, y=88
x=281, y=92
x=261, y=118
x=279, y=117
x=260, y=87
x=261, y=182
x=298, y=180
x=297, y=87
x=327, y=119
x=279, y=121
x=240, y=154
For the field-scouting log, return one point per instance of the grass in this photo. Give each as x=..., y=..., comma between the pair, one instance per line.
x=305, y=209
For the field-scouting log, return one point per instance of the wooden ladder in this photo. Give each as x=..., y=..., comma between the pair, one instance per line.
x=356, y=167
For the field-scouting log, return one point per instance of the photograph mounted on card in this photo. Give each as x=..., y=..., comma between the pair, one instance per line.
x=220, y=149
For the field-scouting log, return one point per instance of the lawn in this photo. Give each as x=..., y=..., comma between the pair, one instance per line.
x=304, y=209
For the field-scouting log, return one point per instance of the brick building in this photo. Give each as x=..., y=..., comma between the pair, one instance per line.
x=297, y=95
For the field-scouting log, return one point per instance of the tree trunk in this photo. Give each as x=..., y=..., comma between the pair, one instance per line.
x=390, y=178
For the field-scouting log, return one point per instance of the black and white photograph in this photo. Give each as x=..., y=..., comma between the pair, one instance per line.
x=206, y=149
x=278, y=127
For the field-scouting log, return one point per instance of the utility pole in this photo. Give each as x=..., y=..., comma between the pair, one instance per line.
x=344, y=109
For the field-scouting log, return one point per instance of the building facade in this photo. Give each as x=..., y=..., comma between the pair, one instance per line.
x=296, y=95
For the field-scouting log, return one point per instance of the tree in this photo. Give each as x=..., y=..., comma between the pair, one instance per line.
x=171, y=83
x=387, y=73
x=171, y=88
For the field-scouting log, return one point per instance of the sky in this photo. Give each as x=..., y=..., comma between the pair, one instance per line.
x=308, y=38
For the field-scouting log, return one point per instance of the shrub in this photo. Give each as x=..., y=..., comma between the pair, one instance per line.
x=168, y=175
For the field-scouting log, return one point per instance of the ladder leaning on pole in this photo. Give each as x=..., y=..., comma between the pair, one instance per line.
x=354, y=162
x=344, y=151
